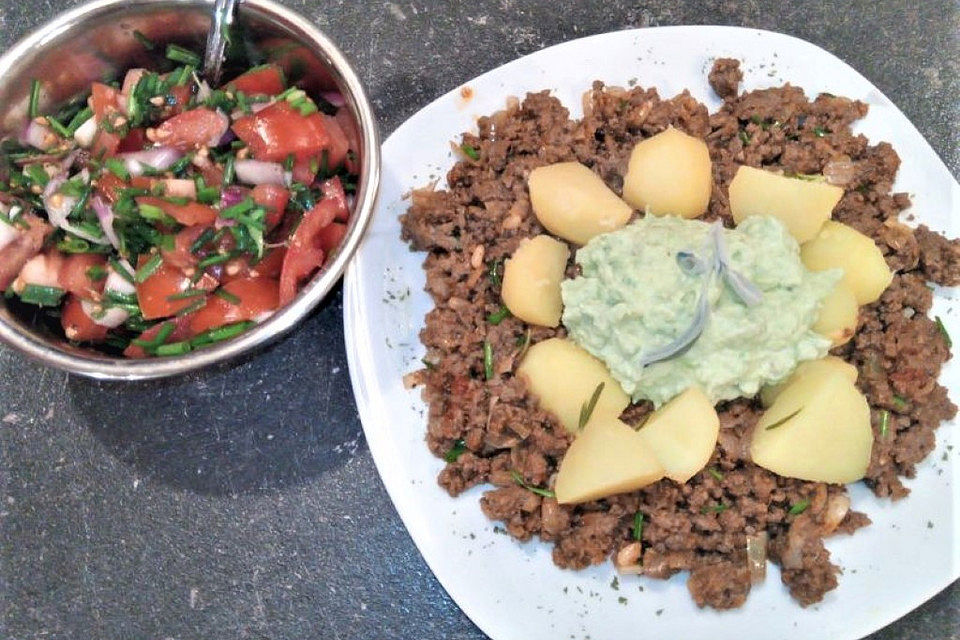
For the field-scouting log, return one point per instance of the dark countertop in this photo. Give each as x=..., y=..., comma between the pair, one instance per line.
x=234, y=504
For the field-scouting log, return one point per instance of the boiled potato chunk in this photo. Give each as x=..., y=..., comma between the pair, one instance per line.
x=820, y=431
x=564, y=377
x=607, y=458
x=531, y=280
x=682, y=434
x=802, y=206
x=574, y=203
x=838, y=315
x=671, y=174
x=820, y=367
x=838, y=246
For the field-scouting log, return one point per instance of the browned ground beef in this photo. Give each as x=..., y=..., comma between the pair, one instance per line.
x=701, y=526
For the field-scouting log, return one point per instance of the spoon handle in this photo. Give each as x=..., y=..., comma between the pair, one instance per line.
x=223, y=12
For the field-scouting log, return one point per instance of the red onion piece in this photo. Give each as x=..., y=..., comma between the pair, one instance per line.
x=232, y=195
x=757, y=556
x=203, y=91
x=228, y=137
x=258, y=172
x=105, y=216
x=221, y=223
x=110, y=317
x=334, y=97
x=58, y=207
x=222, y=133
x=116, y=282
x=85, y=134
x=158, y=158
x=38, y=136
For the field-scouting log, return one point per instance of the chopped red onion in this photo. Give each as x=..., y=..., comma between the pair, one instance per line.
x=258, y=172
x=85, y=134
x=228, y=137
x=222, y=223
x=232, y=195
x=222, y=132
x=58, y=207
x=104, y=316
x=158, y=158
x=116, y=282
x=38, y=136
x=334, y=97
x=203, y=91
x=105, y=216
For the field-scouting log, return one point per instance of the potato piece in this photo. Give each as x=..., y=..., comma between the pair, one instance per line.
x=574, y=203
x=683, y=433
x=564, y=377
x=607, y=458
x=671, y=174
x=838, y=315
x=820, y=367
x=818, y=429
x=801, y=205
x=531, y=280
x=865, y=271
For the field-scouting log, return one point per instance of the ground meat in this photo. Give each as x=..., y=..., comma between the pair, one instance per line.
x=725, y=77
x=27, y=244
x=702, y=525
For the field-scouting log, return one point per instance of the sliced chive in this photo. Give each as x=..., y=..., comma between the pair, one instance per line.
x=172, y=349
x=288, y=162
x=638, y=526
x=121, y=270
x=182, y=55
x=96, y=272
x=148, y=269
x=238, y=209
x=782, y=421
x=518, y=479
x=756, y=119
x=943, y=331
x=229, y=171
x=33, y=110
x=72, y=244
x=37, y=174
x=586, y=409
x=900, y=402
x=41, y=295
x=487, y=360
x=799, y=507
x=158, y=339
x=884, y=424
x=495, y=266
x=117, y=167
x=499, y=315
x=214, y=259
x=455, y=451
x=208, y=195
x=716, y=474
x=716, y=508
x=188, y=293
x=226, y=295
x=205, y=236
x=744, y=137
x=147, y=43
x=221, y=333
x=61, y=130
x=181, y=164
x=470, y=151
x=820, y=132
x=193, y=306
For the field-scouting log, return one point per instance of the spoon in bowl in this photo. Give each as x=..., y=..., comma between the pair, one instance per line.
x=217, y=38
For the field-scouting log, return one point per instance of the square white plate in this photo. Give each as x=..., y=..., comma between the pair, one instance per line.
x=513, y=591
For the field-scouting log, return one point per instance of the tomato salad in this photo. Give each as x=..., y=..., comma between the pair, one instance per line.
x=159, y=215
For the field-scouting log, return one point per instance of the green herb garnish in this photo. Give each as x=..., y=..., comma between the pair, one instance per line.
x=172, y=349
x=820, y=132
x=61, y=130
x=716, y=508
x=798, y=508
x=209, y=261
x=470, y=151
x=884, y=424
x=495, y=266
x=499, y=315
x=221, y=333
x=900, y=402
x=148, y=269
x=638, y=526
x=744, y=137
x=518, y=479
x=487, y=359
x=586, y=409
x=782, y=421
x=34, y=107
x=943, y=332
x=183, y=56
x=147, y=43
x=117, y=167
x=121, y=270
x=229, y=171
x=715, y=473
x=193, y=306
x=455, y=451
x=226, y=295
x=186, y=294
x=96, y=273
x=41, y=296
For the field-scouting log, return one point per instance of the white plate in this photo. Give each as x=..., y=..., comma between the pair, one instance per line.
x=513, y=591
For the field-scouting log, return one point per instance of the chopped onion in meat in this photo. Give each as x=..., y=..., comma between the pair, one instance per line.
x=837, y=508
x=627, y=561
x=757, y=556
x=840, y=171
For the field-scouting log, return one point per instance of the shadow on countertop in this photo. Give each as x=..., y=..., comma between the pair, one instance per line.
x=237, y=428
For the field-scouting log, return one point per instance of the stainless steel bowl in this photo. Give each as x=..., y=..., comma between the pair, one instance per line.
x=96, y=40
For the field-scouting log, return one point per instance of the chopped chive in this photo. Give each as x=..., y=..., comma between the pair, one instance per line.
x=494, y=271
x=782, y=421
x=148, y=269
x=37, y=174
x=744, y=137
x=288, y=162
x=716, y=474
x=117, y=167
x=499, y=315
x=487, y=360
x=41, y=296
x=716, y=508
x=151, y=211
x=147, y=43
x=33, y=110
x=221, y=333
x=943, y=332
x=586, y=409
x=188, y=293
x=204, y=237
x=121, y=270
x=884, y=424
x=181, y=164
x=96, y=272
x=518, y=479
x=72, y=244
x=900, y=402
x=820, y=132
x=238, y=209
x=214, y=259
x=756, y=119
x=470, y=151
x=193, y=306
x=173, y=349
x=182, y=55
x=208, y=195
x=158, y=339
x=638, y=526
x=799, y=507
x=229, y=171
x=61, y=130
x=455, y=451
x=226, y=295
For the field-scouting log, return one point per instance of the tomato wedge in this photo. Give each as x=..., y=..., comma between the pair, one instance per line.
x=267, y=79
x=339, y=144
x=268, y=267
x=181, y=256
x=253, y=297
x=77, y=325
x=333, y=189
x=349, y=126
x=279, y=130
x=155, y=292
x=304, y=254
x=104, y=101
x=180, y=332
x=74, y=274
x=330, y=237
x=274, y=199
x=193, y=129
x=191, y=213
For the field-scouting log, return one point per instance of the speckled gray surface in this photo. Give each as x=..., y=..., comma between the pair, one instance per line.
x=242, y=502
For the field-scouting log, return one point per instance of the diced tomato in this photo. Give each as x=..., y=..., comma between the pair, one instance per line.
x=339, y=144
x=104, y=144
x=154, y=293
x=267, y=79
x=349, y=127
x=212, y=174
x=181, y=331
x=299, y=62
x=191, y=213
x=135, y=140
x=274, y=199
x=279, y=130
x=305, y=170
x=77, y=325
x=268, y=267
x=331, y=236
x=256, y=296
x=192, y=129
x=73, y=274
x=181, y=256
x=109, y=186
x=333, y=189
x=104, y=100
x=304, y=254
x=181, y=95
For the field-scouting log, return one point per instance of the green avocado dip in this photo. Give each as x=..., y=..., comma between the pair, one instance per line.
x=656, y=281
